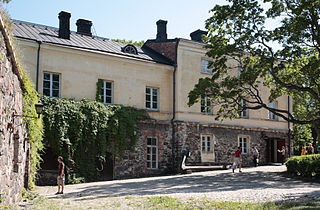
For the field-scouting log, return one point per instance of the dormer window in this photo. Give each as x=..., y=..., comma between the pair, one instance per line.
x=130, y=49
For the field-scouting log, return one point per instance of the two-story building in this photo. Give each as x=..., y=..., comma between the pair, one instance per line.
x=156, y=77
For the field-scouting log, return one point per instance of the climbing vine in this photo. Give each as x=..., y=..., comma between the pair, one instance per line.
x=83, y=131
x=99, y=89
x=34, y=127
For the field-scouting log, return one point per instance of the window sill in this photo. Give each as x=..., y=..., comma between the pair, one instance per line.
x=152, y=110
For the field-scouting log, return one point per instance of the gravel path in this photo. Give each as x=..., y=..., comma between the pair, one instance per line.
x=259, y=184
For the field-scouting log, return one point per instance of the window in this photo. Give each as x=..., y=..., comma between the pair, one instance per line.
x=130, y=49
x=206, y=143
x=240, y=70
x=152, y=98
x=244, y=112
x=51, y=84
x=243, y=142
x=107, y=90
x=272, y=116
x=206, y=104
x=152, y=153
x=204, y=67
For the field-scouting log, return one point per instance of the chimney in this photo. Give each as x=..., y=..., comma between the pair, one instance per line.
x=84, y=27
x=64, y=25
x=197, y=35
x=161, y=30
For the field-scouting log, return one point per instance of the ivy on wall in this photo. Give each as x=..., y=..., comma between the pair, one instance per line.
x=34, y=127
x=82, y=131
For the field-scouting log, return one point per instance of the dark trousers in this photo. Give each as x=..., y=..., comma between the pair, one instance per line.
x=282, y=159
x=255, y=162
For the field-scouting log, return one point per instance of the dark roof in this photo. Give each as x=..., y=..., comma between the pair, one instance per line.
x=47, y=34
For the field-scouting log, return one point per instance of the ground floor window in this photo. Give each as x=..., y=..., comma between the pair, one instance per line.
x=206, y=143
x=152, y=153
x=243, y=143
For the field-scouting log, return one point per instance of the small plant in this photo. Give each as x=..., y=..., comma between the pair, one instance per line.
x=29, y=195
x=74, y=179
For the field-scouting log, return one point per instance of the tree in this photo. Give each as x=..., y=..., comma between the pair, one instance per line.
x=136, y=43
x=237, y=32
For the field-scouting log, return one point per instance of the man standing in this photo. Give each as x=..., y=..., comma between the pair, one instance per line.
x=61, y=176
x=237, y=160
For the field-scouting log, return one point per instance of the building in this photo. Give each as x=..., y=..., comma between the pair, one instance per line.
x=156, y=77
x=14, y=145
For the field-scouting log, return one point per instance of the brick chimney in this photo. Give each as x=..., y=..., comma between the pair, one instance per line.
x=197, y=35
x=161, y=30
x=84, y=27
x=64, y=25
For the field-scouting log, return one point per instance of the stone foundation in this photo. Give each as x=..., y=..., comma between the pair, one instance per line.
x=188, y=137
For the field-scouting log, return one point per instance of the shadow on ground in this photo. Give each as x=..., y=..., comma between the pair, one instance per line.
x=196, y=183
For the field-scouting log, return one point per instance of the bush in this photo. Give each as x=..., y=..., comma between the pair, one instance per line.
x=306, y=166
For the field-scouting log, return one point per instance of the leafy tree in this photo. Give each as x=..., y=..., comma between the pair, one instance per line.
x=136, y=43
x=238, y=33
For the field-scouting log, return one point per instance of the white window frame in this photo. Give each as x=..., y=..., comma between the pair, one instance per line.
x=206, y=105
x=151, y=98
x=151, y=154
x=104, y=91
x=51, y=84
x=204, y=67
x=272, y=116
x=206, y=143
x=244, y=146
x=244, y=113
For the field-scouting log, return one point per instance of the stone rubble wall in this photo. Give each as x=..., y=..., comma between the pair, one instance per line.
x=188, y=135
x=14, y=159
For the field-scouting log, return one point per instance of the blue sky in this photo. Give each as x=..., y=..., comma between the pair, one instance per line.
x=122, y=19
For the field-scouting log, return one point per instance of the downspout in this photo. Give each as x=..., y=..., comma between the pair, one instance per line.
x=174, y=103
x=38, y=60
x=289, y=134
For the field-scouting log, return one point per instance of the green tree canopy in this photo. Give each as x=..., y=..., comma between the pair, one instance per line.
x=237, y=31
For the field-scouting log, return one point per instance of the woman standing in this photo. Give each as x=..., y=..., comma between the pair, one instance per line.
x=255, y=157
x=283, y=154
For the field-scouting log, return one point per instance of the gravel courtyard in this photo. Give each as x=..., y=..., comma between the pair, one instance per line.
x=260, y=184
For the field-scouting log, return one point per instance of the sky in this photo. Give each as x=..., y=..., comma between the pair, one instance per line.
x=119, y=19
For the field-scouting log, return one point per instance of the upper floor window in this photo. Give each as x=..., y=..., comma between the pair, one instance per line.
x=206, y=106
x=240, y=70
x=107, y=92
x=243, y=143
x=206, y=143
x=51, y=84
x=152, y=153
x=272, y=116
x=244, y=112
x=152, y=98
x=204, y=67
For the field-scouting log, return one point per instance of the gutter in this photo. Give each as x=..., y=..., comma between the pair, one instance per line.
x=38, y=60
x=174, y=102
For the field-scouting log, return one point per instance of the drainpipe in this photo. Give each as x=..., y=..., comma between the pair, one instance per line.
x=289, y=143
x=174, y=103
x=38, y=58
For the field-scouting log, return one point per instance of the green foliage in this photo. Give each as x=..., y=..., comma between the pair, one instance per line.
x=34, y=127
x=302, y=135
x=74, y=179
x=238, y=37
x=99, y=90
x=82, y=131
x=136, y=43
x=29, y=195
x=306, y=165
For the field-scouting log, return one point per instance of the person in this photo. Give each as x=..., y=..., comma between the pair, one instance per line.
x=61, y=176
x=310, y=149
x=255, y=157
x=283, y=154
x=303, y=151
x=237, y=160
